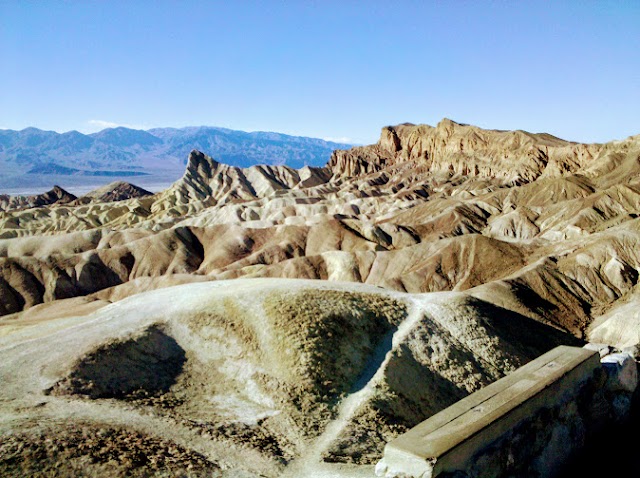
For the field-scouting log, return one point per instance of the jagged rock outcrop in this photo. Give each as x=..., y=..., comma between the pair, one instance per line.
x=207, y=182
x=475, y=250
x=400, y=214
x=450, y=148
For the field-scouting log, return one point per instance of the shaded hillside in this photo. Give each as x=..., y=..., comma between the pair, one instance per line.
x=244, y=377
x=351, y=300
x=425, y=209
x=57, y=195
x=115, y=191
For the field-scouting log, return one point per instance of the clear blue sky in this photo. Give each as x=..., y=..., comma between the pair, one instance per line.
x=331, y=69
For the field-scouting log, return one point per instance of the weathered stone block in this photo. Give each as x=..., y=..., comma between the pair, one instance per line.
x=622, y=372
x=535, y=406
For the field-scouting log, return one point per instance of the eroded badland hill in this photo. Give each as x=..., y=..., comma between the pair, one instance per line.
x=180, y=332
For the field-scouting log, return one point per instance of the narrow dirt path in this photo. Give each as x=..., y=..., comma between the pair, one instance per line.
x=310, y=462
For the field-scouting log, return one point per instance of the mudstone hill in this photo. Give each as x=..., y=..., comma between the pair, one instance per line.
x=270, y=321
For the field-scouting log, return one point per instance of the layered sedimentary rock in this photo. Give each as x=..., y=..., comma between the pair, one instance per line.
x=450, y=207
x=450, y=148
x=481, y=249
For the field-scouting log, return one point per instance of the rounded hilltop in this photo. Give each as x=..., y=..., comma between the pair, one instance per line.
x=278, y=320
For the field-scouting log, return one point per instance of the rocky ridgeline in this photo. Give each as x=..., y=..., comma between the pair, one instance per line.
x=207, y=180
x=527, y=241
x=115, y=191
x=403, y=214
x=57, y=195
x=451, y=148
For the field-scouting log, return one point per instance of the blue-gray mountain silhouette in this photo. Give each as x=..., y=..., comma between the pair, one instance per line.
x=129, y=152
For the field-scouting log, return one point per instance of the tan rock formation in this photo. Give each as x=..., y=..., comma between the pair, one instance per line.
x=514, y=157
x=478, y=249
x=56, y=195
x=116, y=191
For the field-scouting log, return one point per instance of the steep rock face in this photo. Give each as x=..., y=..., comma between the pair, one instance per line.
x=403, y=214
x=451, y=148
x=207, y=182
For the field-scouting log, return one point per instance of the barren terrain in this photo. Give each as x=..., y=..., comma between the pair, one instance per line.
x=270, y=321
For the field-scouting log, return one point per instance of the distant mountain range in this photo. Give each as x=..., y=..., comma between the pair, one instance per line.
x=34, y=156
x=318, y=312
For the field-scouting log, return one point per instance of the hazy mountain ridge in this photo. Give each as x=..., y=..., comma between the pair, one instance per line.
x=434, y=194
x=441, y=257
x=126, y=152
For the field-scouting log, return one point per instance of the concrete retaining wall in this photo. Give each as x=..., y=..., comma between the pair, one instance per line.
x=528, y=424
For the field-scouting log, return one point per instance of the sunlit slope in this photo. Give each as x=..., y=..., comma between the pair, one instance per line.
x=254, y=374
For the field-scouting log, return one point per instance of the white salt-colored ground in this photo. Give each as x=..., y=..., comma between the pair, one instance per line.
x=34, y=358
